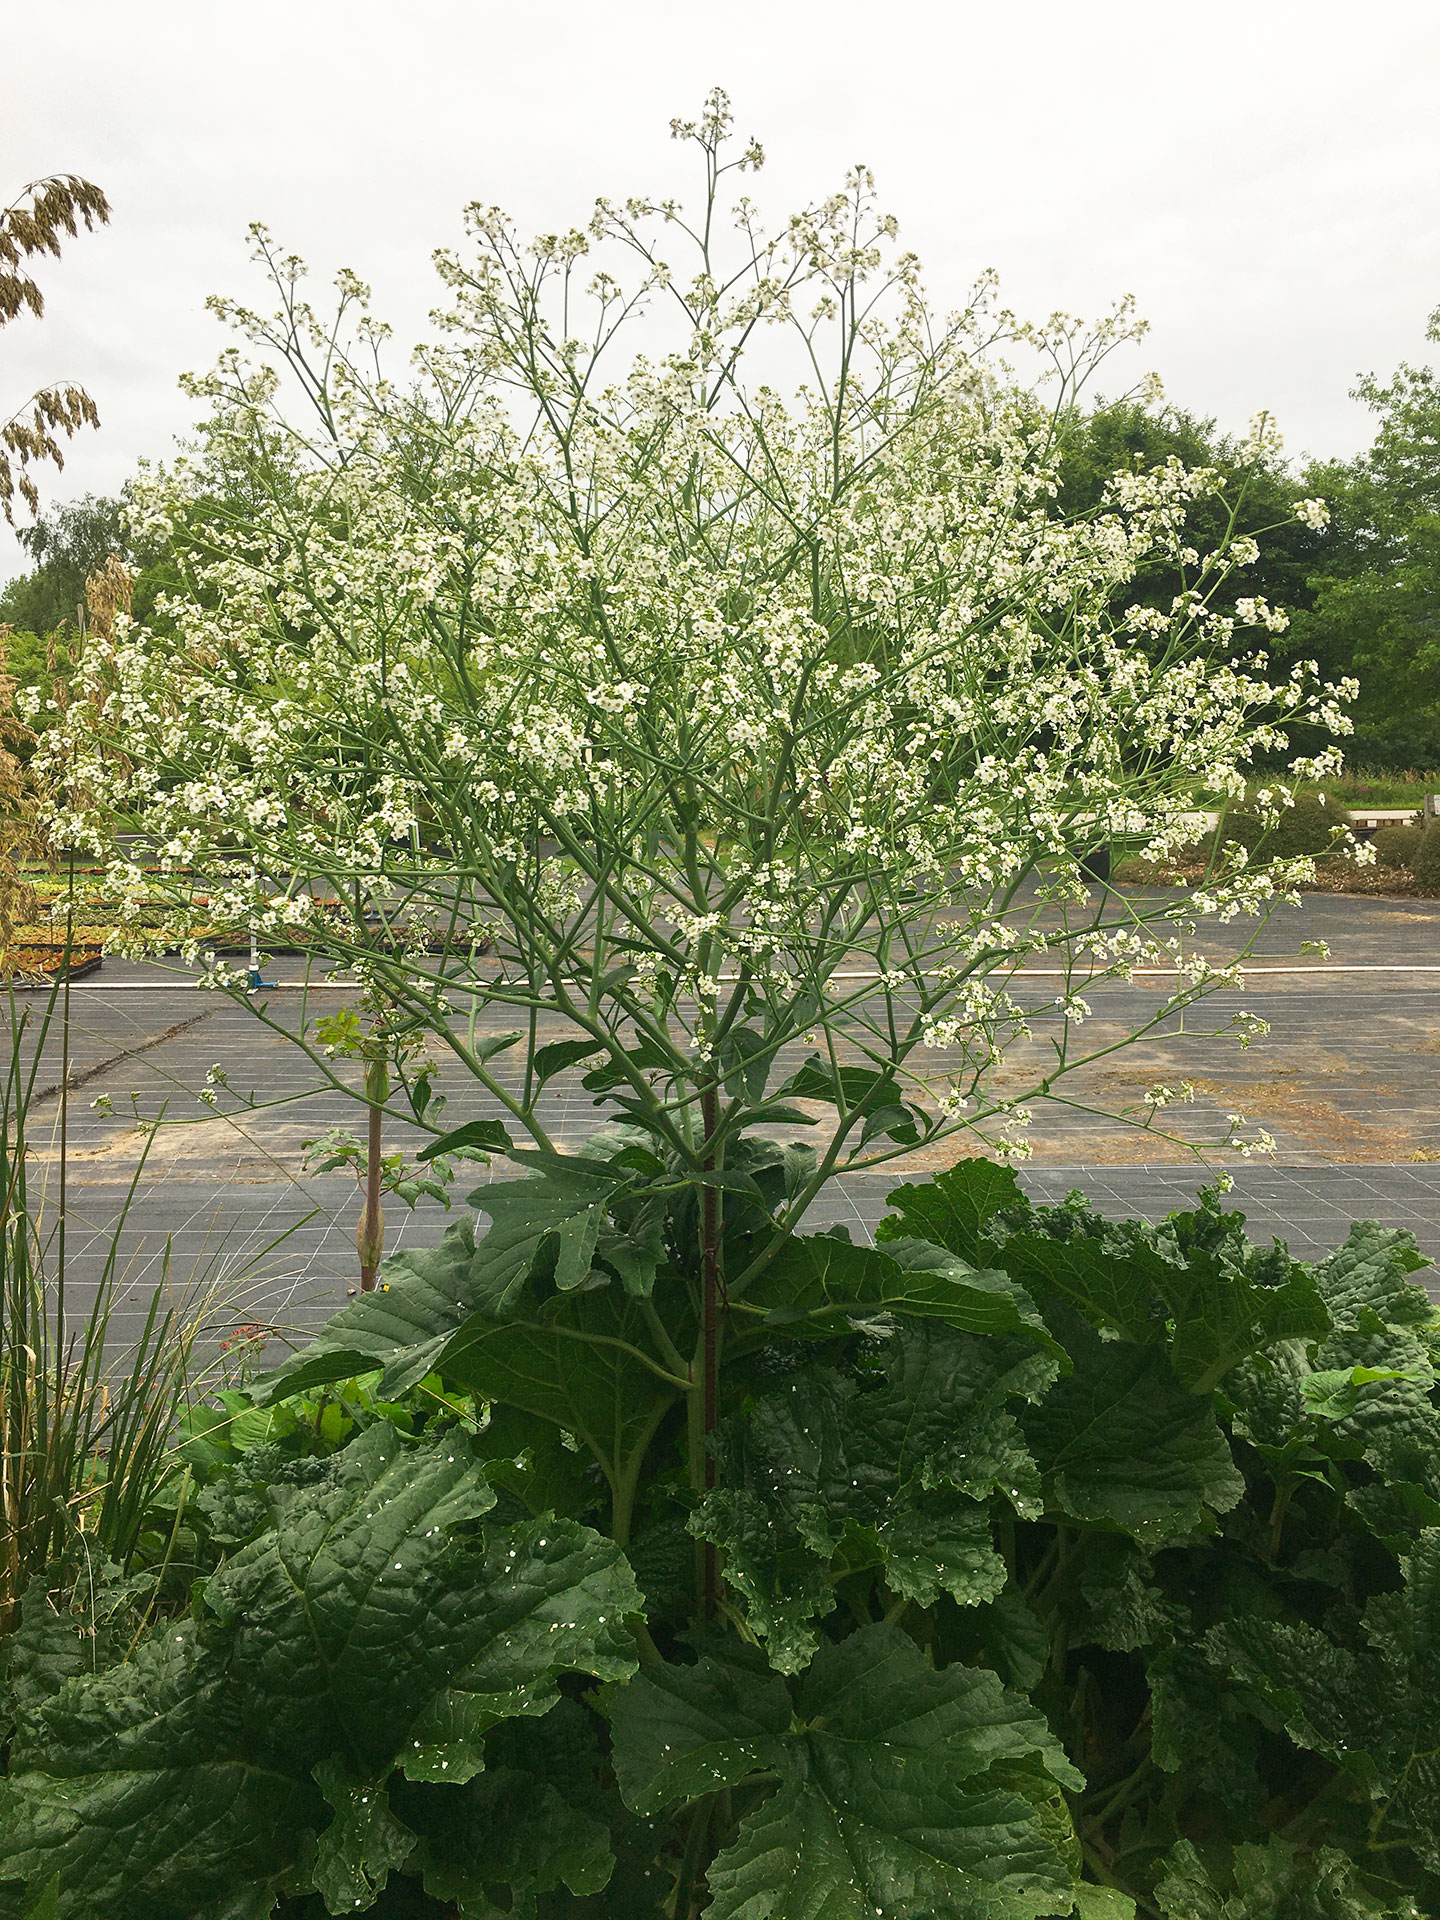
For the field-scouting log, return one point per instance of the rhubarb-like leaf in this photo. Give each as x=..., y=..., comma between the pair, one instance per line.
x=372, y=1623
x=1261, y=1882
x=578, y=1360
x=530, y=1823
x=899, y=1789
x=1369, y=1701
x=825, y=1281
x=892, y=1472
x=1193, y=1284
x=427, y=1295
x=954, y=1209
x=1123, y=1446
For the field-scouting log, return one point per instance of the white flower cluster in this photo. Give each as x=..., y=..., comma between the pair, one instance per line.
x=663, y=684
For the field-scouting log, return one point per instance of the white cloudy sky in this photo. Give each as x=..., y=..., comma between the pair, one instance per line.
x=1263, y=175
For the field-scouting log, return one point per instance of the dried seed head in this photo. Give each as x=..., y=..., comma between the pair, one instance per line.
x=33, y=224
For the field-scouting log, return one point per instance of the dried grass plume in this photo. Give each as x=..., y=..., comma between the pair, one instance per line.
x=33, y=225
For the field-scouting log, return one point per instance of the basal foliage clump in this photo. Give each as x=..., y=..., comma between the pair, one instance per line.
x=1061, y=1567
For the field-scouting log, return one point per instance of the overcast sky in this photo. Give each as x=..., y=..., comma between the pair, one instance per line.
x=1263, y=175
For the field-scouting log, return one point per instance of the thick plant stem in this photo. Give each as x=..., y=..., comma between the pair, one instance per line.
x=690, y=1888
x=1284, y=1489
x=711, y=1286
x=370, y=1234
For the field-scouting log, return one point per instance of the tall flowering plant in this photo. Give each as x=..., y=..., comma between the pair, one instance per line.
x=591, y=675
x=708, y=712
x=737, y=706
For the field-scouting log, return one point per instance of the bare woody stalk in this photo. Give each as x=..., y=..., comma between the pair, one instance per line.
x=370, y=1233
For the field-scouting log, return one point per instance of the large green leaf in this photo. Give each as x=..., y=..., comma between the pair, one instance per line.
x=533, y=1821
x=1122, y=1445
x=1273, y=1881
x=1125, y=1609
x=427, y=1294
x=512, y=1835
x=363, y=1843
x=1194, y=1283
x=1005, y=1635
x=900, y=1790
x=1211, y=1305
x=156, y=1825
x=577, y=1359
x=402, y=1326
x=1234, y=1297
x=552, y=1597
x=946, y=1410
x=1364, y=1392
x=891, y=1472
x=784, y=1582
x=1366, y=1283
x=828, y=1282
x=1204, y=1732
x=349, y=1604
x=536, y=1335
x=481, y=1136
x=371, y=1623
x=683, y=1731
x=954, y=1209
x=542, y=1464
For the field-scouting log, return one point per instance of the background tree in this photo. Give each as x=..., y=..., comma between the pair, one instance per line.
x=1255, y=500
x=33, y=225
x=66, y=544
x=45, y=608
x=1375, y=608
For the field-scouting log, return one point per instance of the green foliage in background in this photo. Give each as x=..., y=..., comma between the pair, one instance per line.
x=1308, y=827
x=1398, y=846
x=65, y=546
x=1376, y=605
x=1257, y=500
x=1363, y=593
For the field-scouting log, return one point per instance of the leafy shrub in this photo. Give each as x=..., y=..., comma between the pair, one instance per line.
x=369, y=1624
x=1307, y=827
x=1067, y=1567
x=1398, y=846
x=1427, y=859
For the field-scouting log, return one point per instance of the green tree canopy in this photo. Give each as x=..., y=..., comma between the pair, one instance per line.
x=1376, y=609
x=1255, y=500
x=65, y=546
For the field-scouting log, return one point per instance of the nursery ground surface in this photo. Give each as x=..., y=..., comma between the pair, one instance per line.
x=1346, y=1081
